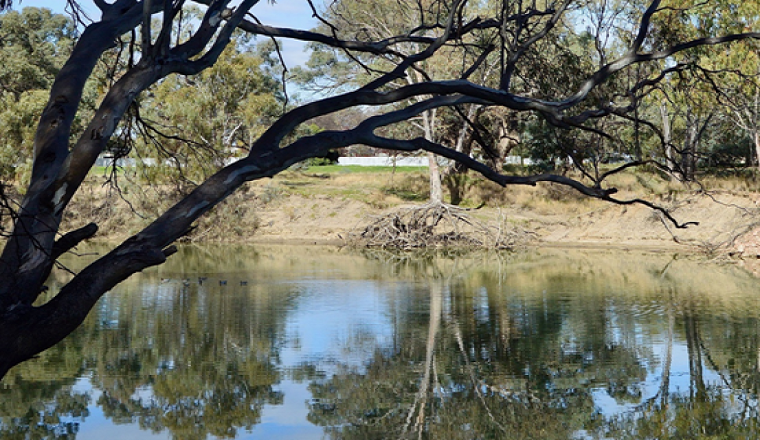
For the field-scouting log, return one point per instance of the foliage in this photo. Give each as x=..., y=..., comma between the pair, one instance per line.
x=232, y=103
x=35, y=44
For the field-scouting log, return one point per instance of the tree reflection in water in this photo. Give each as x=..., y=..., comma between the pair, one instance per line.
x=464, y=372
x=167, y=355
x=492, y=366
x=547, y=344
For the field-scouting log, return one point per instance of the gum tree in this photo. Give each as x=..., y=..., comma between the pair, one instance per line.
x=61, y=162
x=35, y=44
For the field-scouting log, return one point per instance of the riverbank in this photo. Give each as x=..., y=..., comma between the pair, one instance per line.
x=722, y=220
x=325, y=207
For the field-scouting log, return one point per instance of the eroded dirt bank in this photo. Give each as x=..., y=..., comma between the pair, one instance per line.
x=724, y=221
x=304, y=208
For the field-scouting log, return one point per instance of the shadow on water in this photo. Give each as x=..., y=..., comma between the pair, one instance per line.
x=226, y=342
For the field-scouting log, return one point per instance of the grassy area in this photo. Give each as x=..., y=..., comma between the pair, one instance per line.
x=104, y=171
x=383, y=186
x=100, y=171
x=378, y=186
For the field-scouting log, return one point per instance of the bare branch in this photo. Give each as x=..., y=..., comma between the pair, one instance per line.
x=510, y=64
x=607, y=71
x=211, y=21
x=73, y=238
x=146, y=27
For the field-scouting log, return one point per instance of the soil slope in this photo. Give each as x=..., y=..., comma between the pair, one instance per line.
x=326, y=208
x=722, y=218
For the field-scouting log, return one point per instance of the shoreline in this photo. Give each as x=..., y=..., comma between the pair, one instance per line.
x=338, y=243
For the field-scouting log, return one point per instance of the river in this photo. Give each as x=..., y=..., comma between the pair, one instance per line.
x=318, y=342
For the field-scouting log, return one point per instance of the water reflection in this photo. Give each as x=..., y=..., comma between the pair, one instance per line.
x=318, y=342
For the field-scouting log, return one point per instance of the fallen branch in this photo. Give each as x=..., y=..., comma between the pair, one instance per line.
x=434, y=225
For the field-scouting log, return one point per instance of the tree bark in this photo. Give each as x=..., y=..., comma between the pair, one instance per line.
x=436, y=188
x=27, y=255
x=28, y=330
x=667, y=140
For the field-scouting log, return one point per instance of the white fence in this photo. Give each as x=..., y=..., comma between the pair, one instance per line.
x=124, y=162
x=386, y=161
x=381, y=161
x=412, y=161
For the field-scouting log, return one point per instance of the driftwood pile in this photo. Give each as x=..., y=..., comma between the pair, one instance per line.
x=434, y=225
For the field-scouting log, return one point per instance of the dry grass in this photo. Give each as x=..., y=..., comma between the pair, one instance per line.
x=331, y=203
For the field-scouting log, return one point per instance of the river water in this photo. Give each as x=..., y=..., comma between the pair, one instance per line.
x=310, y=342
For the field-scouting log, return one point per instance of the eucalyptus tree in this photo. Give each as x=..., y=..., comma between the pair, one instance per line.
x=376, y=20
x=472, y=129
x=35, y=44
x=233, y=101
x=61, y=161
x=734, y=75
x=709, y=86
x=688, y=111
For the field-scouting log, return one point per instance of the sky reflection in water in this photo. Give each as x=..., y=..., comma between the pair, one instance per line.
x=301, y=343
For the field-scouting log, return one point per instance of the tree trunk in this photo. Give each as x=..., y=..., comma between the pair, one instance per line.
x=456, y=183
x=687, y=155
x=436, y=189
x=667, y=139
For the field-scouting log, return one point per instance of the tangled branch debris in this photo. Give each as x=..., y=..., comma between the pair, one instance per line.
x=435, y=225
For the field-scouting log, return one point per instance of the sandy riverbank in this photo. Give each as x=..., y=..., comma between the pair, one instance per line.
x=724, y=221
x=324, y=209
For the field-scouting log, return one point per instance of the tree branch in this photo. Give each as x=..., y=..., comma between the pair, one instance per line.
x=72, y=239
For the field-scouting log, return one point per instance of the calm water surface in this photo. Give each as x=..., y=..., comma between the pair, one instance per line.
x=311, y=343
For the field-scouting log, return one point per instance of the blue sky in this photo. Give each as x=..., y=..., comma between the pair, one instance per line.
x=283, y=13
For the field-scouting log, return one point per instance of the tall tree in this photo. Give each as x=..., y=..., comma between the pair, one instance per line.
x=61, y=161
x=466, y=126
x=34, y=45
x=233, y=101
x=712, y=83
